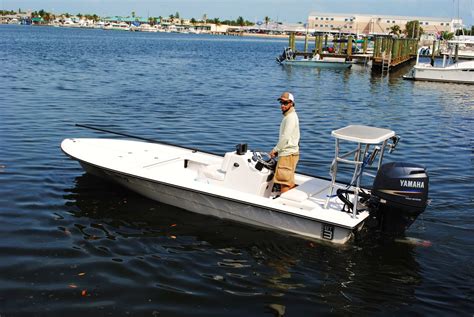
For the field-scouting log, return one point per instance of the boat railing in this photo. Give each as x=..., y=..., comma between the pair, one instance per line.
x=365, y=138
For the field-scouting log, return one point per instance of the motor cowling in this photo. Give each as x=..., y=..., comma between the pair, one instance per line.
x=401, y=192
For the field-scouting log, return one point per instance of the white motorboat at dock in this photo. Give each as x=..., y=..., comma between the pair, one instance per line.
x=465, y=47
x=288, y=57
x=239, y=186
x=461, y=72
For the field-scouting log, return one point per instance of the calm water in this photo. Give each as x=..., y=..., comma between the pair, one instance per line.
x=71, y=243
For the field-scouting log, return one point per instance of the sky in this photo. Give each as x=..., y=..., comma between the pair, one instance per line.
x=253, y=10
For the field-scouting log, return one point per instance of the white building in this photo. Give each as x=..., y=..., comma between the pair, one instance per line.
x=376, y=24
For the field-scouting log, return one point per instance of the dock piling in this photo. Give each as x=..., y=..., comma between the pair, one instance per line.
x=349, y=46
x=365, y=45
x=433, y=53
x=292, y=43
x=318, y=43
x=306, y=42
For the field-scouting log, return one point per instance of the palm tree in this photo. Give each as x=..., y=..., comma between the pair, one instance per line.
x=152, y=20
x=267, y=20
x=47, y=17
x=216, y=21
x=445, y=35
x=395, y=30
x=413, y=29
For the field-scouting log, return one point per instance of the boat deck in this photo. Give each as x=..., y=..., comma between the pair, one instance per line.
x=203, y=173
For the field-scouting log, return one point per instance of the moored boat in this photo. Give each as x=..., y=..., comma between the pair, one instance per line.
x=326, y=63
x=461, y=72
x=465, y=49
x=239, y=186
x=458, y=72
x=119, y=26
x=289, y=58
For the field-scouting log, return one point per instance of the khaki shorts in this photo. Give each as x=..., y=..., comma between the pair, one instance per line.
x=285, y=170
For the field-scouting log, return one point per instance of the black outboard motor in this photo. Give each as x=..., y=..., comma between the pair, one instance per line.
x=399, y=195
x=287, y=54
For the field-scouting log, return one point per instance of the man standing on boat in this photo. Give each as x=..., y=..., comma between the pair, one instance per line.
x=287, y=148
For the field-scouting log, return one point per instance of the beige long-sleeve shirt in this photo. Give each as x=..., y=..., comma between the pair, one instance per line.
x=288, y=142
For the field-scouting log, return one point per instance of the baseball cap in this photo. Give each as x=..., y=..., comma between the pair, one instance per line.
x=287, y=96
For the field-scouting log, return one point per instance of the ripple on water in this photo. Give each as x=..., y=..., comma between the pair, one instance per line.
x=72, y=243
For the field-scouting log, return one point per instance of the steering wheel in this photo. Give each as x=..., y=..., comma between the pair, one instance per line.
x=264, y=159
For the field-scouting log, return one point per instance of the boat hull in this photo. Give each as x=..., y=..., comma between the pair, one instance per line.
x=226, y=208
x=318, y=64
x=439, y=74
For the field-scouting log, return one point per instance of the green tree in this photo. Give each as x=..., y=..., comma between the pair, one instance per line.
x=216, y=21
x=413, y=29
x=463, y=31
x=240, y=21
x=47, y=17
x=176, y=15
x=267, y=20
x=193, y=21
x=445, y=35
x=152, y=20
x=395, y=30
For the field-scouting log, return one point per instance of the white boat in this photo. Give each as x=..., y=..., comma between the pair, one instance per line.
x=288, y=57
x=458, y=72
x=119, y=26
x=325, y=63
x=145, y=27
x=465, y=47
x=239, y=186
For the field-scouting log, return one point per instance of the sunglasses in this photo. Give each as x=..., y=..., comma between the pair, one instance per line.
x=285, y=102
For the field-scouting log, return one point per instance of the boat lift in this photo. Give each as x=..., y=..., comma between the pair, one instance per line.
x=365, y=137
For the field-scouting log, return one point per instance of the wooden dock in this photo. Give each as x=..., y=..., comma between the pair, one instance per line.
x=343, y=48
x=390, y=53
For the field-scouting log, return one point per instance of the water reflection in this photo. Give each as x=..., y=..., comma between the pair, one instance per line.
x=146, y=258
x=240, y=261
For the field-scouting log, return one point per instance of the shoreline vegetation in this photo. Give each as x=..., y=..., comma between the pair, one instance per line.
x=174, y=23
